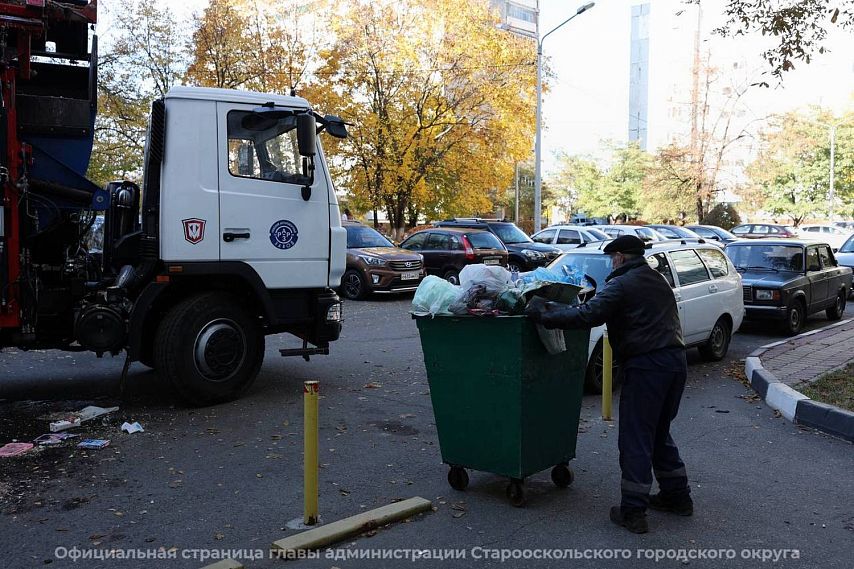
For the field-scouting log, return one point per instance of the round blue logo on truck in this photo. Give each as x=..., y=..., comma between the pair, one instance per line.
x=284, y=234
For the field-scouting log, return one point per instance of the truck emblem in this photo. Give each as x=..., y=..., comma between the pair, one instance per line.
x=194, y=230
x=284, y=234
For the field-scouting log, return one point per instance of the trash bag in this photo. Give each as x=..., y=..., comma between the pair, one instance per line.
x=511, y=301
x=434, y=295
x=553, y=340
x=494, y=278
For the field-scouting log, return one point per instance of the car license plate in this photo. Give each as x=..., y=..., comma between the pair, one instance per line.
x=410, y=276
x=491, y=261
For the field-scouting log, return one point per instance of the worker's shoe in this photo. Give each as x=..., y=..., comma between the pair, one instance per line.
x=679, y=504
x=633, y=519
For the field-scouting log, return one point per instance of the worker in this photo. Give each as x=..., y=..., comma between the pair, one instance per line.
x=639, y=307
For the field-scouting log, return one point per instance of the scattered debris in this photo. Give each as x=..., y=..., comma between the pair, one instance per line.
x=131, y=428
x=93, y=443
x=50, y=439
x=15, y=449
x=76, y=418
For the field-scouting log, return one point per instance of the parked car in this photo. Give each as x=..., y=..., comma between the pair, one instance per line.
x=713, y=233
x=374, y=264
x=846, y=225
x=643, y=232
x=446, y=250
x=524, y=253
x=845, y=256
x=566, y=237
x=830, y=234
x=763, y=231
x=787, y=280
x=673, y=231
x=706, y=286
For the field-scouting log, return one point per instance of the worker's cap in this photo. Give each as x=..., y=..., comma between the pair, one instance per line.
x=628, y=244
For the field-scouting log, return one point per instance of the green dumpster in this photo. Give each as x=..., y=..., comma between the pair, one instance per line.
x=502, y=403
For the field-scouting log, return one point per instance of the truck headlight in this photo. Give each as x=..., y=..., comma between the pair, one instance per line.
x=372, y=261
x=766, y=294
x=333, y=313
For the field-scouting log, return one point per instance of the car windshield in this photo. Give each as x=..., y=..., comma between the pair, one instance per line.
x=848, y=246
x=647, y=234
x=509, y=233
x=359, y=236
x=668, y=232
x=483, y=240
x=596, y=265
x=598, y=233
x=774, y=257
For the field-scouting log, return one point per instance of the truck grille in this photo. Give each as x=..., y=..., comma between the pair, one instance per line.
x=748, y=293
x=405, y=265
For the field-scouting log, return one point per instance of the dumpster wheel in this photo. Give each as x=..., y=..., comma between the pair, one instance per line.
x=562, y=475
x=458, y=478
x=516, y=493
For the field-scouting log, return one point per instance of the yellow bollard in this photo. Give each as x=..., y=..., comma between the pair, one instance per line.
x=607, y=377
x=311, y=394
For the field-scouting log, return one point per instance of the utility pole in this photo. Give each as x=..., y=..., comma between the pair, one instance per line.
x=696, y=161
x=831, y=194
x=516, y=219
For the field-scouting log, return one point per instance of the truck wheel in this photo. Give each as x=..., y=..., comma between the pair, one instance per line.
x=210, y=348
x=795, y=317
x=353, y=286
x=715, y=349
x=836, y=311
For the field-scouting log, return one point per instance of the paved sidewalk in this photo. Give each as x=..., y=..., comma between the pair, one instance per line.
x=805, y=358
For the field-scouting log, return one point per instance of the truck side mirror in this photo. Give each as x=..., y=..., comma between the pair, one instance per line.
x=306, y=135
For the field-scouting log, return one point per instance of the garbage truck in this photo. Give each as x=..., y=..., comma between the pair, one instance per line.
x=234, y=235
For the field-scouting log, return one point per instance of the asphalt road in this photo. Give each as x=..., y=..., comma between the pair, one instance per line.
x=229, y=477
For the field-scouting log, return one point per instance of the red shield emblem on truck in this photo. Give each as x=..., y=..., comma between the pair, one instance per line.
x=194, y=230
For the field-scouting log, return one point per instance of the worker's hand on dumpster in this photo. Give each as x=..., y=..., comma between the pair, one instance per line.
x=536, y=308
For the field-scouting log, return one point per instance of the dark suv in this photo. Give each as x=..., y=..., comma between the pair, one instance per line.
x=524, y=253
x=447, y=250
x=374, y=264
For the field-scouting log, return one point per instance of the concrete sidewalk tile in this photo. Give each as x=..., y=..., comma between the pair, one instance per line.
x=826, y=418
x=784, y=399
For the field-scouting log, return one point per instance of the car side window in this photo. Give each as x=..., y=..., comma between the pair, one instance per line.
x=456, y=243
x=715, y=261
x=437, y=242
x=813, y=263
x=761, y=229
x=826, y=255
x=568, y=237
x=689, y=268
x=660, y=263
x=268, y=153
x=415, y=243
x=546, y=236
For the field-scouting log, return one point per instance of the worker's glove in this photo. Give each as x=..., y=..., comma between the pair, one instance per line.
x=536, y=309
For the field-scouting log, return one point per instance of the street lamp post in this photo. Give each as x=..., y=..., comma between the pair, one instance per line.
x=538, y=182
x=831, y=194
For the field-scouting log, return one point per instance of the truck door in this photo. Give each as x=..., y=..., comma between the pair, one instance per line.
x=264, y=221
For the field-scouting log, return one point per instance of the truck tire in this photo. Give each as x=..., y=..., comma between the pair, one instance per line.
x=210, y=348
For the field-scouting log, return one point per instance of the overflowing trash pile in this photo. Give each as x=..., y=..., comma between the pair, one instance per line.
x=488, y=290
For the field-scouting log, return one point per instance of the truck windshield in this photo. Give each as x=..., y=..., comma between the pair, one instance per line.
x=359, y=236
x=509, y=233
x=778, y=257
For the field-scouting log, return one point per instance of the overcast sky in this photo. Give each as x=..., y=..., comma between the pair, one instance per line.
x=588, y=99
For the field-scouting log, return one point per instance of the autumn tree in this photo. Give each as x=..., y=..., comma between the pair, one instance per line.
x=141, y=62
x=793, y=165
x=441, y=102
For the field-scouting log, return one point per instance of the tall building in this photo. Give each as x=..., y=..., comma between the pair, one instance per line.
x=639, y=75
x=519, y=16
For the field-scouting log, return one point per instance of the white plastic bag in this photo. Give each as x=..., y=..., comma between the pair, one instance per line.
x=434, y=296
x=553, y=340
x=495, y=278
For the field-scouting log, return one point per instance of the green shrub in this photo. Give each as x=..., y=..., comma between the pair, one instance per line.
x=722, y=215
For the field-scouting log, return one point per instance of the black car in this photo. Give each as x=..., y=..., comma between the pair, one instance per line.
x=447, y=250
x=524, y=253
x=713, y=233
x=787, y=280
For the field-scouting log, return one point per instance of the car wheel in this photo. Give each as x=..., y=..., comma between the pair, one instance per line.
x=353, y=285
x=210, y=348
x=593, y=375
x=838, y=309
x=452, y=277
x=795, y=317
x=515, y=267
x=715, y=349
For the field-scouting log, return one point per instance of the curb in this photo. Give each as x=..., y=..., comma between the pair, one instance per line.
x=792, y=404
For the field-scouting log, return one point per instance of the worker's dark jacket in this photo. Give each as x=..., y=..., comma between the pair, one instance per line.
x=636, y=303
